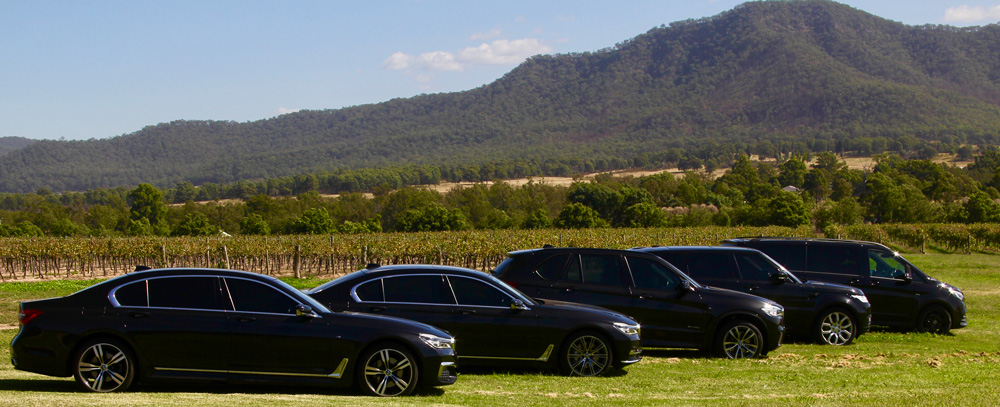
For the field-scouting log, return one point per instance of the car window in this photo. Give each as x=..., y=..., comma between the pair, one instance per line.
x=370, y=291
x=755, y=267
x=885, y=264
x=836, y=259
x=793, y=257
x=191, y=292
x=552, y=268
x=422, y=289
x=253, y=296
x=676, y=258
x=713, y=265
x=601, y=269
x=132, y=295
x=652, y=275
x=470, y=291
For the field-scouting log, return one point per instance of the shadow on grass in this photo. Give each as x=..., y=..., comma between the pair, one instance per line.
x=218, y=388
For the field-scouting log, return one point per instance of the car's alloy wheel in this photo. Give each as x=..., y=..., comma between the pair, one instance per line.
x=836, y=328
x=104, y=366
x=739, y=340
x=586, y=355
x=388, y=371
x=934, y=319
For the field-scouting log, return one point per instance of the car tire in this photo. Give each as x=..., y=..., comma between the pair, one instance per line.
x=104, y=365
x=934, y=319
x=835, y=327
x=387, y=370
x=739, y=340
x=585, y=354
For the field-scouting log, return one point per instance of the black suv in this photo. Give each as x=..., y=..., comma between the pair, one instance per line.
x=832, y=314
x=902, y=296
x=673, y=309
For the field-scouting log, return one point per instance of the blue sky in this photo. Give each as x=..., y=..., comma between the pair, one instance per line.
x=103, y=68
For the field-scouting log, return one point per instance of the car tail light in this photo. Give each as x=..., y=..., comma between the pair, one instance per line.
x=25, y=316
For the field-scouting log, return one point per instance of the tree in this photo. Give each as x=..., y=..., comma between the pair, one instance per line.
x=254, y=224
x=539, y=219
x=147, y=203
x=645, y=214
x=195, y=224
x=785, y=209
x=315, y=221
x=981, y=209
x=792, y=172
x=578, y=216
x=431, y=218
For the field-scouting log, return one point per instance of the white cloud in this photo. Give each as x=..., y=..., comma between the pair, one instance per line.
x=499, y=52
x=970, y=14
x=485, y=36
x=284, y=110
x=503, y=52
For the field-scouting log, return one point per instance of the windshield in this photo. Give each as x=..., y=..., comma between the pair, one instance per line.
x=782, y=269
x=511, y=290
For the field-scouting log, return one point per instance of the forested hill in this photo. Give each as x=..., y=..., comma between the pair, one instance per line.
x=783, y=75
x=8, y=144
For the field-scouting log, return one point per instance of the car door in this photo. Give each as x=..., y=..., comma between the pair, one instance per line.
x=178, y=323
x=486, y=327
x=894, y=295
x=593, y=278
x=757, y=275
x=268, y=338
x=670, y=313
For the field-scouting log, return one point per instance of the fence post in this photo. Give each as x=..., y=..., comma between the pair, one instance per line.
x=296, y=261
x=225, y=254
x=163, y=256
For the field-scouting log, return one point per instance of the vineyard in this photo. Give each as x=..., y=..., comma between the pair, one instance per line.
x=312, y=255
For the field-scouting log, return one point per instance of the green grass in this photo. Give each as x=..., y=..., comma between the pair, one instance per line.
x=879, y=369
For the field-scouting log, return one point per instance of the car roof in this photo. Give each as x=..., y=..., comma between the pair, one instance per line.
x=741, y=240
x=421, y=269
x=552, y=249
x=694, y=249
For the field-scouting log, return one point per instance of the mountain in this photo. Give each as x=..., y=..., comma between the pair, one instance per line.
x=807, y=74
x=8, y=144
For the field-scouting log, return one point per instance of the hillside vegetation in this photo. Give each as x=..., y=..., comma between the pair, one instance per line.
x=764, y=78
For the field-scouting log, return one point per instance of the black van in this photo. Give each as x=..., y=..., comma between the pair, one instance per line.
x=901, y=295
x=674, y=310
x=832, y=314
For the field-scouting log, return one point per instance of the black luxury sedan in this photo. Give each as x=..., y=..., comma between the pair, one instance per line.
x=902, y=296
x=674, y=310
x=223, y=325
x=828, y=313
x=493, y=323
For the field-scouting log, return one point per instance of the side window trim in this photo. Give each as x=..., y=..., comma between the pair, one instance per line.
x=384, y=301
x=354, y=290
x=452, y=289
x=233, y=305
x=114, y=301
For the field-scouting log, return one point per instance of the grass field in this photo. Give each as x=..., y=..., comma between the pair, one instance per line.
x=879, y=369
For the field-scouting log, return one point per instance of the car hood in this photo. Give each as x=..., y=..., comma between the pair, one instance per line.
x=730, y=294
x=831, y=287
x=394, y=323
x=577, y=310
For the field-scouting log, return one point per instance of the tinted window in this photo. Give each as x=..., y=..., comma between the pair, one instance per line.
x=793, y=257
x=885, y=264
x=552, y=268
x=755, y=267
x=833, y=259
x=252, y=296
x=370, y=291
x=132, y=295
x=428, y=289
x=600, y=269
x=470, y=291
x=186, y=292
x=713, y=265
x=650, y=274
x=677, y=259
x=573, y=272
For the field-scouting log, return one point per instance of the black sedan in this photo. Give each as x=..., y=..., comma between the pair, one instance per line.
x=212, y=325
x=493, y=323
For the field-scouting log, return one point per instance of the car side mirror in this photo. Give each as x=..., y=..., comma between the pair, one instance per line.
x=903, y=276
x=779, y=278
x=518, y=305
x=685, y=287
x=305, y=311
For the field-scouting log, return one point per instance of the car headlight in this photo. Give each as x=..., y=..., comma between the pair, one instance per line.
x=773, y=310
x=437, y=342
x=627, y=329
x=956, y=292
x=860, y=297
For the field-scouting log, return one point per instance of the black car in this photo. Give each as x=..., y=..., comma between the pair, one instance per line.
x=902, y=296
x=831, y=314
x=674, y=310
x=493, y=323
x=214, y=325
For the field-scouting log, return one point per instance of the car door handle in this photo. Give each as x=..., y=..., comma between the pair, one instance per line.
x=569, y=289
x=246, y=319
x=137, y=314
x=854, y=281
x=376, y=309
x=873, y=282
x=752, y=287
x=466, y=312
